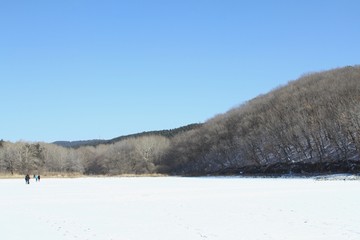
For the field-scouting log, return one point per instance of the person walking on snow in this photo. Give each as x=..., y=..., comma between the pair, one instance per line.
x=27, y=179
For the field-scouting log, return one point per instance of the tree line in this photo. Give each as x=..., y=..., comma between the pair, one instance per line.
x=130, y=156
x=310, y=125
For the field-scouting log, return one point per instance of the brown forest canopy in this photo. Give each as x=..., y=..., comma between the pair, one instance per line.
x=311, y=125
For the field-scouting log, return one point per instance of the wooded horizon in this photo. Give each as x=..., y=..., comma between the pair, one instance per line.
x=311, y=125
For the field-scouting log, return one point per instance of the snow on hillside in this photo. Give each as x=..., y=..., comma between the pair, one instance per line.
x=179, y=209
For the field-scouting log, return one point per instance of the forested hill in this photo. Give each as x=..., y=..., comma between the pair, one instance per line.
x=311, y=125
x=165, y=133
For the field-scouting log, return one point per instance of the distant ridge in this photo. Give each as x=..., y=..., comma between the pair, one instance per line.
x=94, y=142
x=80, y=143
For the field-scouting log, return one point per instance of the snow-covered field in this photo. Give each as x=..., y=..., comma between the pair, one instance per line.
x=171, y=208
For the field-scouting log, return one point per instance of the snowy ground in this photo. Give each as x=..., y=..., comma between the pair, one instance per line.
x=179, y=209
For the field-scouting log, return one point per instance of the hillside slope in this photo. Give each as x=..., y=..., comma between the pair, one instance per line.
x=311, y=125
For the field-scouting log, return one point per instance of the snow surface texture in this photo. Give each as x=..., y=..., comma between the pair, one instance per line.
x=179, y=208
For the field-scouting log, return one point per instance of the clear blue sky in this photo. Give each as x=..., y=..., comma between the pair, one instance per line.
x=86, y=69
